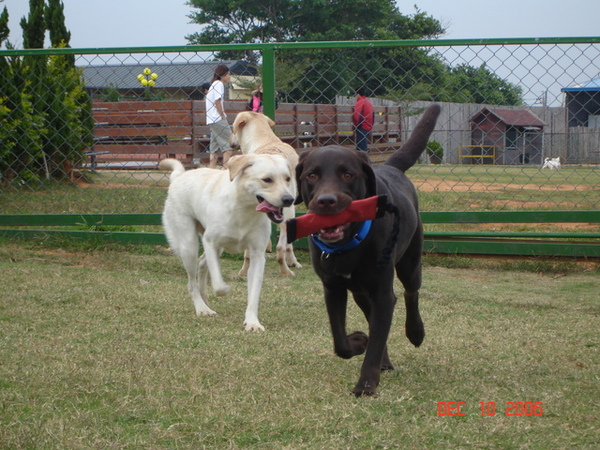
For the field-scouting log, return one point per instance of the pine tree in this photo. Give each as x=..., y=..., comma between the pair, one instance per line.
x=55, y=22
x=45, y=110
x=20, y=126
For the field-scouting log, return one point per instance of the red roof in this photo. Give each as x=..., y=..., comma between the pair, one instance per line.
x=513, y=117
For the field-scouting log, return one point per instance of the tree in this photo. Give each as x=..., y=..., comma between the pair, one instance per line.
x=4, y=30
x=235, y=21
x=325, y=73
x=44, y=108
x=20, y=126
x=404, y=73
x=55, y=22
x=480, y=85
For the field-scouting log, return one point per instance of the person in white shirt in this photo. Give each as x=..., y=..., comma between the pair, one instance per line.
x=216, y=119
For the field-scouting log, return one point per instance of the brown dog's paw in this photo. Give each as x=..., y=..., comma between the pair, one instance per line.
x=416, y=334
x=387, y=366
x=365, y=388
x=358, y=342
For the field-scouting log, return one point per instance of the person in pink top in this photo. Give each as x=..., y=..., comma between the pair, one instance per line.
x=362, y=119
x=256, y=102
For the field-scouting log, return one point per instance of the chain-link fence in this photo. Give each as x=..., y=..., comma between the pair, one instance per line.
x=83, y=132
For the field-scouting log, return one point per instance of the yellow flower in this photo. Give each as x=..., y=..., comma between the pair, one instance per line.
x=154, y=76
x=151, y=83
x=147, y=71
x=144, y=82
x=140, y=77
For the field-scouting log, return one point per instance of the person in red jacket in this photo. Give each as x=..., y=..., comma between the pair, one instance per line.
x=362, y=119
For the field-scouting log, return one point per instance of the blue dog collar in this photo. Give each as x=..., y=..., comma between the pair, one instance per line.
x=352, y=244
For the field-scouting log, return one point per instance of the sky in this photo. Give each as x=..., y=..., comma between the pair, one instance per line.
x=149, y=23
x=100, y=24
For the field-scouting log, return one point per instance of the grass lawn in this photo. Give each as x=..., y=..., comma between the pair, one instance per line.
x=99, y=348
x=441, y=188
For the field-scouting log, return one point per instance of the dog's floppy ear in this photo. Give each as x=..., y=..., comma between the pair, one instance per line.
x=239, y=122
x=237, y=164
x=299, y=169
x=371, y=181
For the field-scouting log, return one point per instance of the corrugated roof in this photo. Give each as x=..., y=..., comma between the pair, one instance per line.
x=513, y=117
x=588, y=86
x=176, y=75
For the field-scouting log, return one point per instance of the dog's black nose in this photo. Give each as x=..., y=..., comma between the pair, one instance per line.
x=327, y=200
x=287, y=200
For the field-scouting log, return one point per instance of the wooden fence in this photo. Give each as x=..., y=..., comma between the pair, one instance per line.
x=138, y=134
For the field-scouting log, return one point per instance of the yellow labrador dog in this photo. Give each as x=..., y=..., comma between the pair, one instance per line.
x=232, y=210
x=253, y=134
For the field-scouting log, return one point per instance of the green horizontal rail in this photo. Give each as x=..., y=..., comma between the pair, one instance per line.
x=514, y=248
x=121, y=237
x=305, y=45
x=53, y=220
x=452, y=242
x=510, y=216
x=592, y=216
x=509, y=234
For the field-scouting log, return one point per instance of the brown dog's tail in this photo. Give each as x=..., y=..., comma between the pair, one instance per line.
x=409, y=153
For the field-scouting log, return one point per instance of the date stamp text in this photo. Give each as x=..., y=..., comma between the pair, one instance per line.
x=510, y=409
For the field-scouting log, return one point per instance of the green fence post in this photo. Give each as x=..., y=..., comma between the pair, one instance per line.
x=268, y=81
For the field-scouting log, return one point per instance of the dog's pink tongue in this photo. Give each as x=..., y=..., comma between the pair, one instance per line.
x=266, y=207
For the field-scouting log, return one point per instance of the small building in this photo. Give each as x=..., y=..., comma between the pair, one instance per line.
x=505, y=136
x=583, y=104
x=176, y=81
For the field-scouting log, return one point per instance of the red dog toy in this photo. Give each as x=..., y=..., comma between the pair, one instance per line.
x=358, y=211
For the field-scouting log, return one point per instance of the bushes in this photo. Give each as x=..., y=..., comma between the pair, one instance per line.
x=45, y=113
x=435, y=151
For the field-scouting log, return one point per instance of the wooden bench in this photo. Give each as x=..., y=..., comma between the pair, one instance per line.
x=134, y=134
x=314, y=125
x=138, y=134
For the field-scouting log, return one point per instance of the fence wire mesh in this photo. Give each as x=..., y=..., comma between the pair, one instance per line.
x=83, y=132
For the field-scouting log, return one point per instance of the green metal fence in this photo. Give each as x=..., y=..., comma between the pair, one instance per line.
x=507, y=105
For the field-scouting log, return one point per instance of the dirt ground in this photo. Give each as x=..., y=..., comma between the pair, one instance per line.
x=465, y=186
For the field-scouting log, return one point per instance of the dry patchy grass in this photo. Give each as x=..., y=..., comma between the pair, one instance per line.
x=101, y=349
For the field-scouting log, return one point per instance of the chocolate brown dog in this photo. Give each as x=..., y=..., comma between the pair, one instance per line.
x=362, y=257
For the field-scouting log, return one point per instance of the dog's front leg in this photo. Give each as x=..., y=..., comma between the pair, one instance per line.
x=212, y=254
x=256, y=270
x=345, y=346
x=285, y=252
x=380, y=322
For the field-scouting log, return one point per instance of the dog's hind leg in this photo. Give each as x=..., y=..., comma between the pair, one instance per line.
x=244, y=270
x=408, y=270
x=364, y=304
x=289, y=213
x=196, y=277
x=203, y=277
x=212, y=255
x=285, y=252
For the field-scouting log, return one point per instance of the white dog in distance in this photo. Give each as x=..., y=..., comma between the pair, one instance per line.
x=552, y=163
